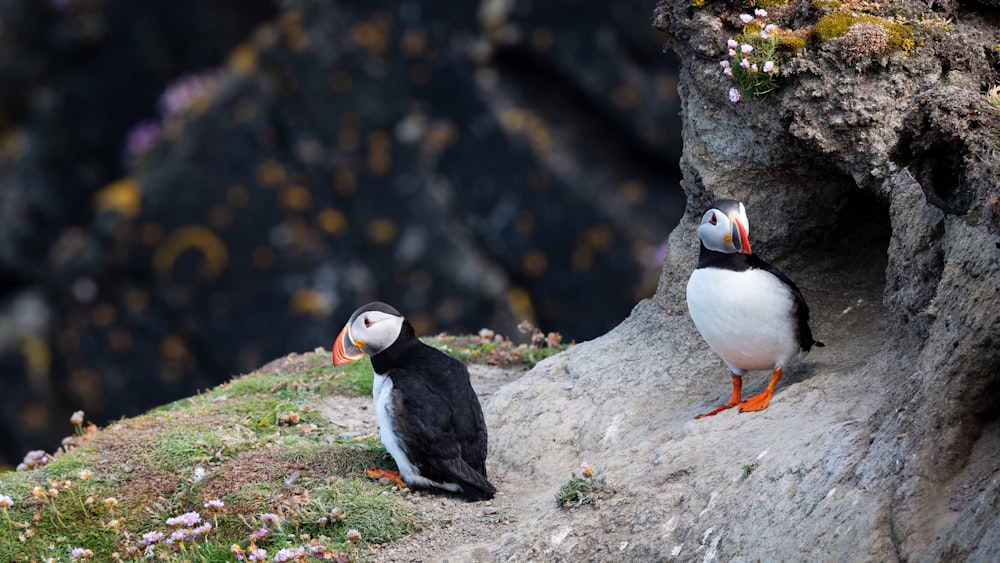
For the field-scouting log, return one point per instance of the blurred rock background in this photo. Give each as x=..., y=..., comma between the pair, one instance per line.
x=189, y=189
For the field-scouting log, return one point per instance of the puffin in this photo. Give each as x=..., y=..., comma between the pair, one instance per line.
x=748, y=312
x=429, y=416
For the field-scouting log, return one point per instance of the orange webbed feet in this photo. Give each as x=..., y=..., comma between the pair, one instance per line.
x=388, y=474
x=734, y=399
x=760, y=402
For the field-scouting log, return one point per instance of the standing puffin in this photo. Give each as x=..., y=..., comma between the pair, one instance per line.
x=748, y=312
x=429, y=417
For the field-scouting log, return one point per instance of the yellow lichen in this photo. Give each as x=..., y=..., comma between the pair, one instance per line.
x=37, y=356
x=197, y=237
x=243, y=59
x=123, y=197
x=382, y=230
x=310, y=301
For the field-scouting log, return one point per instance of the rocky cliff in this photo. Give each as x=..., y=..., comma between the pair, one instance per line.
x=870, y=179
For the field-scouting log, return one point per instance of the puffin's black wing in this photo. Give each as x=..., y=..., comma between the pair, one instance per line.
x=440, y=421
x=800, y=309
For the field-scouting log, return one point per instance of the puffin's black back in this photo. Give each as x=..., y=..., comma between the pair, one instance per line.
x=739, y=262
x=436, y=407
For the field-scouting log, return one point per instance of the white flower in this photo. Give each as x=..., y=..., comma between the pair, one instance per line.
x=760, y=13
x=746, y=18
x=732, y=44
x=746, y=48
x=769, y=66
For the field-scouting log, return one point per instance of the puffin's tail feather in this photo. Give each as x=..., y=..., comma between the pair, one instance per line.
x=474, y=485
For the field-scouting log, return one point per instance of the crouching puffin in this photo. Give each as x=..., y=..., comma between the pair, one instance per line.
x=429, y=417
x=748, y=312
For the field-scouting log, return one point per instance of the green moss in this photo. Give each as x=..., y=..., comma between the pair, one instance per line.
x=837, y=24
x=790, y=44
x=900, y=36
x=833, y=25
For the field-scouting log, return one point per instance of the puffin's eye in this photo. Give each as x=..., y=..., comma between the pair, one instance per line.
x=712, y=220
x=368, y=322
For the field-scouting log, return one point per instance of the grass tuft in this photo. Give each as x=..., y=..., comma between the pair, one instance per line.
x=583, y=489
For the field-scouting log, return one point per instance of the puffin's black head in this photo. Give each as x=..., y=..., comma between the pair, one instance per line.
x=371, y=329
x=725, y=227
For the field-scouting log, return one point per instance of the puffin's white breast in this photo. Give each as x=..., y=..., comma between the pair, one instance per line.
x=745, y=317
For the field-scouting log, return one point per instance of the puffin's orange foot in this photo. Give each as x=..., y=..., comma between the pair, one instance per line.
x=760, y=402
x=717, y=411
x=393, y=476
x=734, y=399
x=757, y=402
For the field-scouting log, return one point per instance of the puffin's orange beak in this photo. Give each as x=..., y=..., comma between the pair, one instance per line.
x=344, y=349
x=740, y=238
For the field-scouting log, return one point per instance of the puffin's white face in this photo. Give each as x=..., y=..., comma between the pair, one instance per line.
x=725, y=228
x=368, y=332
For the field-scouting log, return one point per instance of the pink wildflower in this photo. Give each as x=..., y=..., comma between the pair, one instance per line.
x=149, y=538
x=734, y=95
x=746, y=18
x=289, y=554
x=189, y=519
